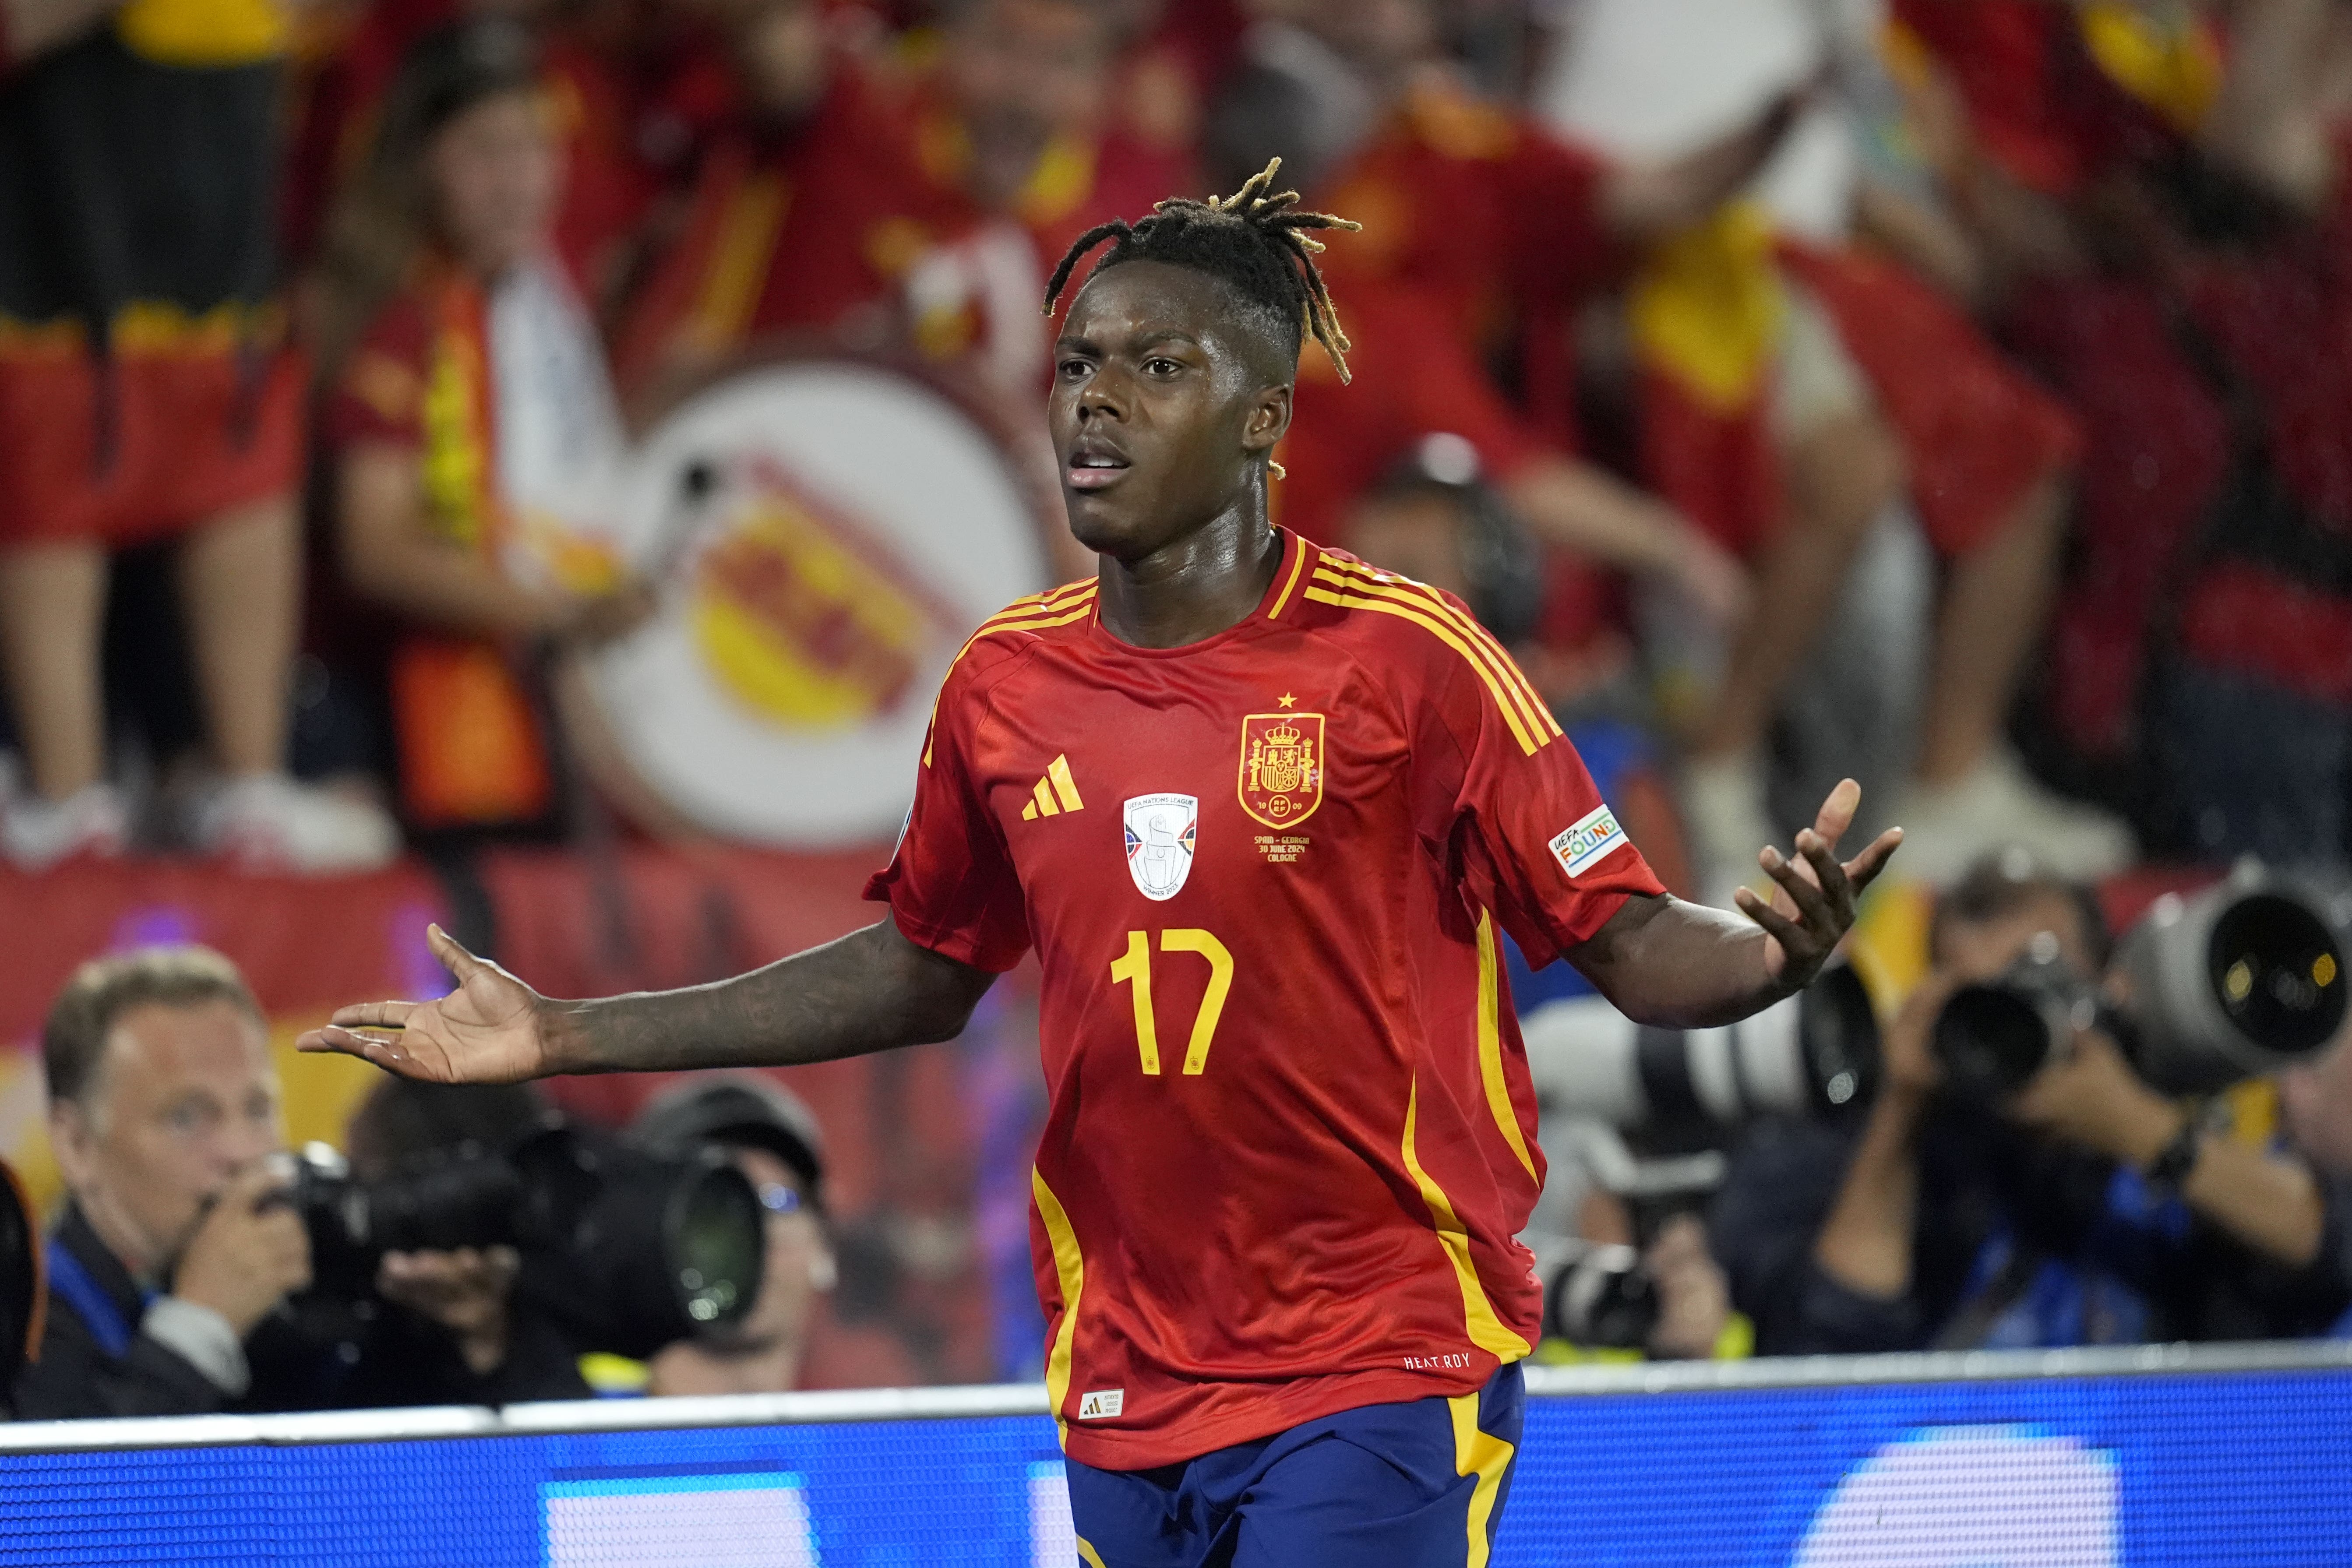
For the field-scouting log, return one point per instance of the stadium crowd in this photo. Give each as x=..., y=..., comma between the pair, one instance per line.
x=1952, y=393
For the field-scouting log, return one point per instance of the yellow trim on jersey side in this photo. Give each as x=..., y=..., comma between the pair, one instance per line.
x=1295, y=568
x=1070, y=1270
x=1485, y=1329
x=1490, y=1047
x=1528, y=742
x=1532, y=707
x=1088, y=1554
x=1021, y=618
x=1477, y=1452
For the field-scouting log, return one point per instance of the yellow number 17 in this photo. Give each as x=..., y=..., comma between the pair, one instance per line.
x=1135, y=968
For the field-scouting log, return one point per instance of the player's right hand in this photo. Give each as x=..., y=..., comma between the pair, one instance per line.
x=491, y=1029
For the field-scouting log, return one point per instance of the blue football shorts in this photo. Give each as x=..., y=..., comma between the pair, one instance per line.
x=1414, y=1484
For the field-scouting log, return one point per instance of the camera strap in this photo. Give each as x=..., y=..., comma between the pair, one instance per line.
x=89, y=1299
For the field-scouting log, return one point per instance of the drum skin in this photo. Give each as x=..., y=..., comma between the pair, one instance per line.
x=823, y=532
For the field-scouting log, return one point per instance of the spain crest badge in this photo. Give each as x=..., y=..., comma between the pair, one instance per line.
x=1282, y=767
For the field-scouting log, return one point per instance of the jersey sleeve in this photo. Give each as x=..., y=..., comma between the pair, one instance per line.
x=951, y=884
x=1498, y=783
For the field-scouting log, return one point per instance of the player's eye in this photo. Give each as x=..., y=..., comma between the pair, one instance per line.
x=1072, y=369
x=1159, y=364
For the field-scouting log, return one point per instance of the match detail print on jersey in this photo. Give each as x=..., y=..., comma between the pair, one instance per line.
x=1591, y=840
x=1282, y=767
x=1162, y=832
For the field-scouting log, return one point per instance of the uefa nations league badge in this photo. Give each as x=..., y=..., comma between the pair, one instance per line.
x=1160, y=829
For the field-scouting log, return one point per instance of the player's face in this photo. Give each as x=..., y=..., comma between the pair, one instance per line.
x=1162, y=406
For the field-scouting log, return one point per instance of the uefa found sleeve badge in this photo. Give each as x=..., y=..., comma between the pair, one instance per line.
x=1592, y=840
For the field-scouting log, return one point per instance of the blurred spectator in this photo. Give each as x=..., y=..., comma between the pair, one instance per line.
x=1929, y=1223
x=2160, y=193
x=473, y=428
x=1472, y=218
x=170, y=1271
x=147, y=392
x=1017, y=128
x=1820, y=408
x=608, y=66
x=807, y=207
x=773, y=1139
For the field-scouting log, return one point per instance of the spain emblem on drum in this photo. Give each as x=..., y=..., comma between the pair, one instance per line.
x=1282, y=767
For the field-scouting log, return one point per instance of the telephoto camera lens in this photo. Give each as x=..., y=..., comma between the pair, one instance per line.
x=630, y=1251
x=2242, y=979
x=1812, y=1055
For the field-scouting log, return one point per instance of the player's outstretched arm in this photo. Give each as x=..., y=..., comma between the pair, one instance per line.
x=870, y=991
x=1684, y=966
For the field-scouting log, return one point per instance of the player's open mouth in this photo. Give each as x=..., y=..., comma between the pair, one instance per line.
x=1094, y=466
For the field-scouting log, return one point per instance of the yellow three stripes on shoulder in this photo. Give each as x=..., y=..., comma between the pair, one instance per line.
x=1071, y=602
x=1354, y=587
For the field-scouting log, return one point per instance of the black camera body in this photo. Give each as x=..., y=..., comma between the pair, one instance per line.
x=2241, y=980
x=23, y=1289
x=626, y=1251
x=1598, y=1296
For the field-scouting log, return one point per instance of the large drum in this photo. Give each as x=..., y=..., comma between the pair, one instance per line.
x=822, y=535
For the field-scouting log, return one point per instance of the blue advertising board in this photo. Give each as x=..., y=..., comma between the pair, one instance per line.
x=2249, y=1464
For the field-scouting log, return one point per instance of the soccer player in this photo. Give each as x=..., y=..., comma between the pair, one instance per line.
x=1261, y=810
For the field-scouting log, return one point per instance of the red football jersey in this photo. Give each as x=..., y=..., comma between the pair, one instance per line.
x=1290, y=1144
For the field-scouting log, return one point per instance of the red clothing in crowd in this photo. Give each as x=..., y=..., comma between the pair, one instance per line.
x=147, y=379
x=1289, y=1142
x=1412, y=379
x=2153, y=372
x=420, y=380
x=1977, y=432
x=802, y=231
x=1490, y=217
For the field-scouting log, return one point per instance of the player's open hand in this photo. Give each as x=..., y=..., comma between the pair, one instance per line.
x=488, y=1030
x=1813, y=904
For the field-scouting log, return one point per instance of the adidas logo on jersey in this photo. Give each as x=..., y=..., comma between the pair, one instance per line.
x=1102, y=1403
x=1056, y=792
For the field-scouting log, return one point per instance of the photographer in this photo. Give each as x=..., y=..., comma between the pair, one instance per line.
x=170, y=1269
x=773, y=1138
x=2085, y=1209
x=449, y=1326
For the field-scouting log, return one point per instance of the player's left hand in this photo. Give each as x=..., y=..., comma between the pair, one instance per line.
x=1812, y=907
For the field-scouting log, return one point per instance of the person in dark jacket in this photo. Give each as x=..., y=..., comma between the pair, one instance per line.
x=176, y=1269
x=2089, y=1209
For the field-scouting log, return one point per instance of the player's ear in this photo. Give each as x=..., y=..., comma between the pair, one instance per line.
x=1269, y=419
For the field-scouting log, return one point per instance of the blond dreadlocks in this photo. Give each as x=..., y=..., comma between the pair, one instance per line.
x=1256, y=239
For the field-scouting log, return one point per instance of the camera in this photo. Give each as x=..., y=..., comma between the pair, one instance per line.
x=2240, y=980
x=628, y=1251
x=1598, y=1296
x=1813, y=1052
x=23, y=1292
